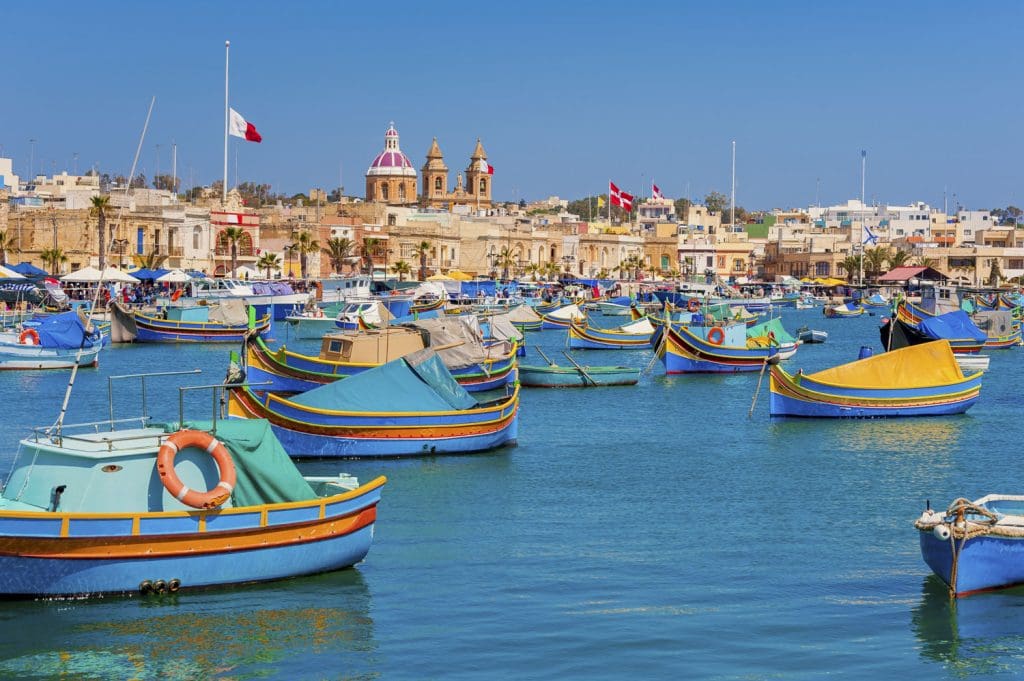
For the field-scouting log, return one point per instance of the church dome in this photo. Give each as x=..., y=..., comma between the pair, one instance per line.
x=391, y=162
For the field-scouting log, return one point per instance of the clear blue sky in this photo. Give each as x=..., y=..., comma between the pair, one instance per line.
x=563, y=95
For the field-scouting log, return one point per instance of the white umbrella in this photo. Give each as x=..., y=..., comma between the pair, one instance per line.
x=85, y=275
x=114, y=274
x=174, y=277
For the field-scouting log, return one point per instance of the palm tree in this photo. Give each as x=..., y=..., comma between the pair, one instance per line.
x=233, y=235
x=531, y=269
x=898, y=258
x=401, y=267
x=421, y=251
x=851, y=265
x=305, y=243
x=370, y=245
x=506, y=261
x=339, y=249
x=927, y=262
x=874, y=261
x=54, y=257
x=604, y=273
x=290, y=253
x=151, y=261
x=269, y=261
x=99, y=206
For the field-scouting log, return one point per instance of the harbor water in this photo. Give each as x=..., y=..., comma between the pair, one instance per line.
x=647, y=532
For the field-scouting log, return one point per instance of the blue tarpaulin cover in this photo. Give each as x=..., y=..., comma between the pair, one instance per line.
x=62, y=330
x=416, y=382
x=952, y=325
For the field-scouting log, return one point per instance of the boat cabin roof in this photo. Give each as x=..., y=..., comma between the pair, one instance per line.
x=374, y=346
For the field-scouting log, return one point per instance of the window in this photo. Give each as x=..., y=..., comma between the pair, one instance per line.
x=197, y=238
x=392, y=220
x=384, y=192
x=401, y=193
x=821, y=269
x=437, y=185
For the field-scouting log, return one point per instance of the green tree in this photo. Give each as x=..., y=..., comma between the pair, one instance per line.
x=506, y=260
x=682, y=207
x=898, y=258
x=233, y=235
x=269, y=261
x=851, y=265
x=716, y=202
x=339, y=249
x=927, y=262
x=401, y=267
x=874, y=261
x=370, y=247
x=421, y=251
x=99, y=208
x=305, y=244
x=168, y=182
x=54, y=257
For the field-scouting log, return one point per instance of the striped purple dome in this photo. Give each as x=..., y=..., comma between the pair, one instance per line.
x=391, y=161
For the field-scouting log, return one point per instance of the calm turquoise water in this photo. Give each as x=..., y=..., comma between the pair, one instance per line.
x=646, y=532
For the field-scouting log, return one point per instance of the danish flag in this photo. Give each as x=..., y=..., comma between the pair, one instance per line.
x=620, y=198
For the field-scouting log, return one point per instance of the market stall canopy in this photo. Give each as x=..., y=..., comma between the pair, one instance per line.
x=8, y=273
x=114, y=274
x=459, y=275
x=146, y=274
x=29, y=270
x=85, y=275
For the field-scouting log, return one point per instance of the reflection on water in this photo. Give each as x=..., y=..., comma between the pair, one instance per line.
x=286, y=629
x=981, y=634
x=934, y=435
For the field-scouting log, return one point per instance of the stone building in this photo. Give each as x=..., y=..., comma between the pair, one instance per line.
x=391, y=178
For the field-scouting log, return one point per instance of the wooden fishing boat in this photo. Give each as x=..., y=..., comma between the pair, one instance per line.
x=875, y=300
x=346, y=354
x=808, y=335
x=223, y=322
x=615, y=307
x=772, y=333
x=525, y=318
x=410, y=406
x=52, y=342
x=562, y=317
x=118, y=507
x=583, y=336
x=714, y=349
x=427, y=304
x=538, y=376
x=551, y=375
x=918, y=380
x=844, y=310
x=975, y=546
x=1002, y=331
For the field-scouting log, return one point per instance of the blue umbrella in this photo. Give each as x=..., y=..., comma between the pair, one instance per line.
x=29, y=270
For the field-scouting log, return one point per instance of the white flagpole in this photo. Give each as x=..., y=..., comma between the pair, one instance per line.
x=609, y=203
x=224, y=189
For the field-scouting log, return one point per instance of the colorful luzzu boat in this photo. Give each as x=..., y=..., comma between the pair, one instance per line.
x=963, y=334
x=714, y=349
x=844, y=310
x=408, y=407
x=347, y=354
x=583, y=336
x=562, y=317
x=224, y=322
x=918, y=380
x=975, y=546
x=116, y=508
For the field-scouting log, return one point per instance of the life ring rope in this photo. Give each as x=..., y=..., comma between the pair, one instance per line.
x=184, y=439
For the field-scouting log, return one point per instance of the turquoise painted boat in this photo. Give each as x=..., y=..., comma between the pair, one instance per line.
x=571, y=377
x=408, y=407
x=918, y=380
x=118, y=507
x=975, y=546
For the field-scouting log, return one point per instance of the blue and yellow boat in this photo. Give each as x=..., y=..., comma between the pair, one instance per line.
x=117, y=508
x=408, y=407
x=224, y=322
x=844, y=310
x=562, y=317
x=918, y=380
x=583, y=336
x=710, y=349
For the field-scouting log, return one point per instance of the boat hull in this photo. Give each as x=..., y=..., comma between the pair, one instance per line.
x=985, y=563
x=684, y=353
x=586, y=337
x=155, y=330
x=28, y=357
x=569, y=377
x=57, y=554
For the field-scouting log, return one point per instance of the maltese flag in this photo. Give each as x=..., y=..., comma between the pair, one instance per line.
x=655, y=192
x=239, y=127
x=486, y=167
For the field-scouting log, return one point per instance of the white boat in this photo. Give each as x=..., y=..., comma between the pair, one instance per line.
x=346, y=289
x=55, y=342
x=311, y=322
x=258, y=294
x=971, y=363
x=808, y=335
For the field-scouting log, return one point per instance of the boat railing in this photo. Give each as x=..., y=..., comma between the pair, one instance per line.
x=142, y=378
x=218, y=402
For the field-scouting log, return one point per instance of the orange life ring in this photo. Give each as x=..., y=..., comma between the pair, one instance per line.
x=201, y=440
x=693, y=305
x=29, y=334
x=716, y=336
x=177, y=294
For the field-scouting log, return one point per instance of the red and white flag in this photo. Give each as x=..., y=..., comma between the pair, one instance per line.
x=486, y=167
x=620, y=198
x=655, y=192
x=239, y=127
